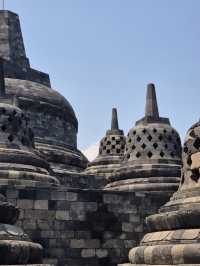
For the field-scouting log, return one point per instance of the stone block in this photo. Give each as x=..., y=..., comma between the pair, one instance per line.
x=71, y=196
x=63, y=215
x=25, y=204
x=58, y=195
x=88, y=253
x=101, y=253
x=127, y=227
x=41, y=205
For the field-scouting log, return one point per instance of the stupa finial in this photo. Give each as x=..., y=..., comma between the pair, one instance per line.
x=114, y=122
x=151, y=102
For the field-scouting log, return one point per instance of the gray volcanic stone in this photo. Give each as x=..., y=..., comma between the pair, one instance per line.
x=175, y=230
x=111, y=151
x=52, y=117
x=152, y=159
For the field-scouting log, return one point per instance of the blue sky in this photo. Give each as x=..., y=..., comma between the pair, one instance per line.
x=102, y=54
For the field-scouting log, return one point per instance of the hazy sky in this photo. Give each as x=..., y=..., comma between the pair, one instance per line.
x=102, y=53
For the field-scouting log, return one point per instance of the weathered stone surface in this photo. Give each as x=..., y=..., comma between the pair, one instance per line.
x=152, y=159
x=174, y=237
x=111, y=151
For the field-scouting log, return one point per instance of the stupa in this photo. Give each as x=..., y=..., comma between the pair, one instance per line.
x=175, y=231
x=16, y=247
x=20, y=163
x=152, y=160
x=52, y=117
x=111, y=151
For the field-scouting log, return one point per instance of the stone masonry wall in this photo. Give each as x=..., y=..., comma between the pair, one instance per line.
x=83, y=227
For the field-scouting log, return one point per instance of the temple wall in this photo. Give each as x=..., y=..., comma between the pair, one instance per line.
x=83, y=227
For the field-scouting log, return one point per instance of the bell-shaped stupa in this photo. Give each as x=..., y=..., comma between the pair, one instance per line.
x=175, y=231
x=152, y=160
x=111, y=151
x=20, y=163
x=16, y=248
x=52, y=117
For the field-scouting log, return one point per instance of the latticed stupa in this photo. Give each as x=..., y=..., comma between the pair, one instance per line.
x=64, y=204
x=175, y=231
x=152, y=160
x=16, y=247
x=111, y=151
x=51, y=116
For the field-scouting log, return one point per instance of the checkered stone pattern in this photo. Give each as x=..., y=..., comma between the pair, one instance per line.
x=112, y=145
x=192, y=141
x=153, y=142
x=191, y=146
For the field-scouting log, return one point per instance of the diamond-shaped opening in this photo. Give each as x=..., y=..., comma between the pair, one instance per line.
x=14, y=112
x=3, y=128
x=10, y=138
x=129, y=140
x=134, y=132
x=162, y=154
x=175, y=147
x=128, y=156
x=23, y=140
x=121, y=138
x=172, y=154
x=154, y=130
x=144, y=131
x=192, y=134
x=149, y=154
x=185, y=149
x=182, y=179
x=197, y=143
x=155, y=145
x=143, y=146
x=104, y=148
x=170, y=138
x=138, y=139
x=173, y=131
x=149, y=138
x=118, y=150
x=160, y=137
x=138, y=154
x=118, y=141
x=195, y=175
x=3, y=110
x=166, y=146
x=10, y=119
x=189, y=161
x=113, y=146
x=108, y=151
x=123, y=147
x=113, y=138
x=108, y=142
x=133, y=147
x=165, y=131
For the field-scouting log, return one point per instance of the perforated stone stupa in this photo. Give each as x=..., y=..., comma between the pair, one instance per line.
x=111, y=151
x=51, y=116
x=152, y=159
x=175, y=230
x=15, y=245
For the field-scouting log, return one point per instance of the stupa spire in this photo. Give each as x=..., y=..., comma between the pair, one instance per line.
x=11, y=40
x=151, y=102
x=114, y=121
